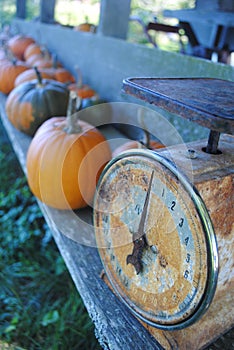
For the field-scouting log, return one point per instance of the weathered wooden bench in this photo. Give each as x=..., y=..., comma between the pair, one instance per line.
x=105, y=62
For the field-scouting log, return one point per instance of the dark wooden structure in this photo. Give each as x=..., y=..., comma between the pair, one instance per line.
x=21, y=8
x=209, y=27
x=47, y=11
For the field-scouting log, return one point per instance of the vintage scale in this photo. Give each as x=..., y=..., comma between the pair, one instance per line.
x=167, y=244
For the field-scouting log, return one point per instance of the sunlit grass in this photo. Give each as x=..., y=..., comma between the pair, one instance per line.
x=75, y=12
x=40, y=306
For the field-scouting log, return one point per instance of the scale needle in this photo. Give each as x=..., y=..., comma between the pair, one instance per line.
x=139, y=238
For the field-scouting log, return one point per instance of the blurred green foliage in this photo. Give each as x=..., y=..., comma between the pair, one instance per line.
x=65, y=9
x=40, y=308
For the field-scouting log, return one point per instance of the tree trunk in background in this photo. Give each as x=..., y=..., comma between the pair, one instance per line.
x=21, y=8
x=47, y=8
x=114, y=18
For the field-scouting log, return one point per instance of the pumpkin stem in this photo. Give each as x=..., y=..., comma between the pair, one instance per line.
x=45, y=53
x=72, y=125
x=9, y=55
x=6, y=50
x=147, y=138
x=79, y=81
x=38, y=74
x=140, y=115
x=55, y=61
x=14, y=61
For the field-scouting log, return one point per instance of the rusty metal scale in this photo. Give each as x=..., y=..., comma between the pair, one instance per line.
x=166, y=243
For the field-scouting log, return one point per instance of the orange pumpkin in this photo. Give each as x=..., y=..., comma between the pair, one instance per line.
x=31, y=103
x=85, y=27
x=32, y=49
x=30, y=74
x=18, y=44
x=60, y=74
x=64, y=161
x=43, y=60
x=63, y=75
x=132, y=144
x=82, y=90
x=9, y=70
x=33, y=58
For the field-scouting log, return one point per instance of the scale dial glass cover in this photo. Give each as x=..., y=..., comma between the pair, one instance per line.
x=155, y=240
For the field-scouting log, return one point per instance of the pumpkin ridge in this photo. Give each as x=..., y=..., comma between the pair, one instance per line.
x=52, y=152
x=56, y=85
x=24, y=89
x=72, y=156
x=45, y=104
x=12, y=106
x=56, y=104
x=35, y=165
x=26, y=95
x=27, y=114
x=26, y=117
x=89, y=170
x=91, y=135
x=49, y=103
x=65, y=143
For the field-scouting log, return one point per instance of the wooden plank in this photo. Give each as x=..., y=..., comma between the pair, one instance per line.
x=114, y=18
x=47, y=8
x=226, y=5
x=207, y=4
x=115, y=327
x=21, y=8
x=221, y=5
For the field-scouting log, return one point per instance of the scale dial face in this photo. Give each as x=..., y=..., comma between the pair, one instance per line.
x=155, y=240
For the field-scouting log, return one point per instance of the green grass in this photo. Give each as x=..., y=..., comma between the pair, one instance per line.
x=40, y=307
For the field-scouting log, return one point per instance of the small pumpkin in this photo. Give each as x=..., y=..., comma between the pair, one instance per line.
x=83, y=90
x=18, y=44
x=63, y=75
x=35, y=57
x=9, y=70
x=133, y=144
x=32, y=49
x=30, y=74
x=65, y=159
x=41, y=60
x=59, y=73
x=31, y=103
x=85, y=27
